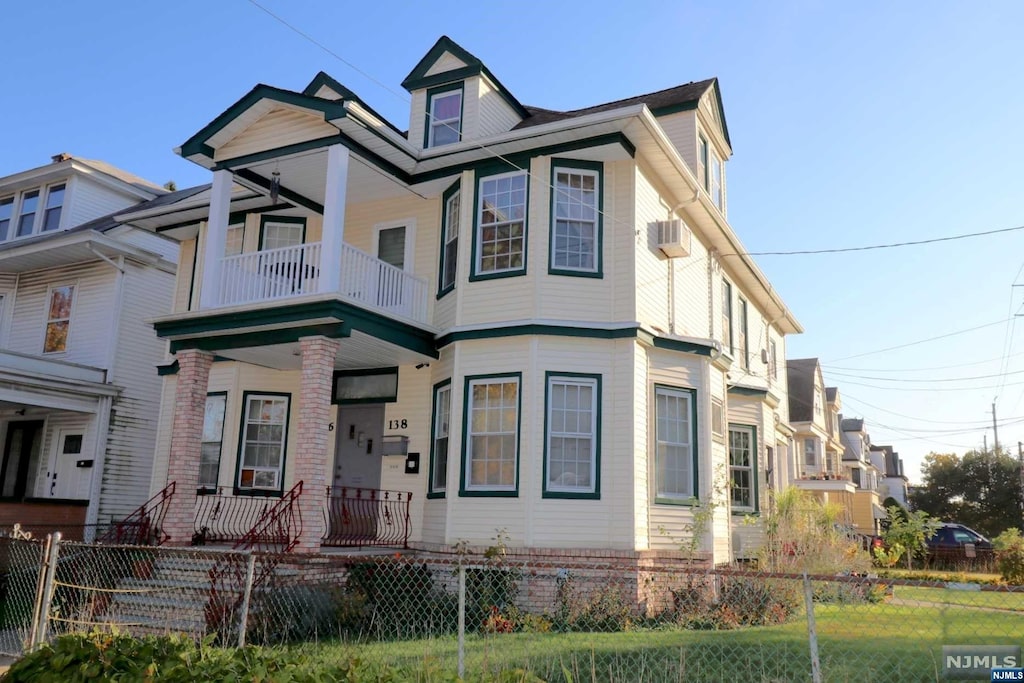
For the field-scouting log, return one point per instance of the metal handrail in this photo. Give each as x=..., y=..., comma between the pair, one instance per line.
x=366, y=517
x=224, y=518
x=144, y=526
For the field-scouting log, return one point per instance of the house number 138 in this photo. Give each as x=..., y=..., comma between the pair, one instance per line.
x=398, y=424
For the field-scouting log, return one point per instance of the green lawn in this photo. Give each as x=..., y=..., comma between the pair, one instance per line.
x=991, y=599
x=883, y=642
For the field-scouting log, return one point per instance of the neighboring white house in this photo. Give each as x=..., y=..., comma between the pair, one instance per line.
x=531, y=320
x=893, y=480
x=79, y=395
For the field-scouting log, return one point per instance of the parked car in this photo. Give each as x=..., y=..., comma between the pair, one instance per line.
x=956, y=544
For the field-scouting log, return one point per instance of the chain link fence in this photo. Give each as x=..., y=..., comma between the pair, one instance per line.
x=588, y=618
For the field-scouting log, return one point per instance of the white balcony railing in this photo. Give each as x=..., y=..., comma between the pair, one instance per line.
x=288, y=272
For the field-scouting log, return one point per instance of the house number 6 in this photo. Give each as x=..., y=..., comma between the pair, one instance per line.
x=398, y=424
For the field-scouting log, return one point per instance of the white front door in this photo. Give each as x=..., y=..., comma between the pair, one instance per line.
x=70, y=471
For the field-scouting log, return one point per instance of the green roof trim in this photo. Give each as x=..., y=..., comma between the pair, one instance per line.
x=197, y=143
x=201, y=332
x=325, y=79
x=418, y=78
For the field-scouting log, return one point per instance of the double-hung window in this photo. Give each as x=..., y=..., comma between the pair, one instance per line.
x=717, y=190
x=675, y=444
x=27, y=213
x=491, y=441
x=234, y=240
x=6, y=213
x=702, y=164
x=572, y=441
x=727, y=316
x=213, y=439
x=744, y=341
x=54, y=205
x=501, y=225
x=811, y=452
x=264, y=434
x=742, y=468
x=450, y=238
x=58, y=318
x=439, y=440
x=444, y=118
x=576, y=218
x=773, y=363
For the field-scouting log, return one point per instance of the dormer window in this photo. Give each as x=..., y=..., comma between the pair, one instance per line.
x=27, y=214
x=444, y=116
x=31, y=212
x=54, y=204
x=711, y=172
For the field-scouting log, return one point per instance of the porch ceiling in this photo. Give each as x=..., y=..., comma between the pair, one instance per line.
x=359, y=350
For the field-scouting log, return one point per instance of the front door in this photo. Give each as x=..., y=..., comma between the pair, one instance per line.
x=70, y=473
x=357, y=461
x=21, y=453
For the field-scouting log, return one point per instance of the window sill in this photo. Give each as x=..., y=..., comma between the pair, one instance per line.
x=594, y=274
x=485, y=493
x=435, y=495
x=478, y=277
x=683, y=502
x=571, y=495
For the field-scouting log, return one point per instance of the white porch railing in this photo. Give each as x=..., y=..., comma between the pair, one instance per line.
x=270, y=274
x=288, y=272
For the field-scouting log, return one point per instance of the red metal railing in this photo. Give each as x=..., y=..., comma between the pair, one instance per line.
x=224, y=518
x=145, y=525
x=361, y=517
x=274, y=534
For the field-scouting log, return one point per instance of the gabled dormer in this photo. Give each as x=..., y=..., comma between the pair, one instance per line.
x=455, y=98
x=693, y=118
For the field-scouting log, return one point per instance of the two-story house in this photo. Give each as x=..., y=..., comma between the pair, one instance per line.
x=893, y=481
x=527, y=319
x=814, y=415
x=79, y=397
x=867, y=511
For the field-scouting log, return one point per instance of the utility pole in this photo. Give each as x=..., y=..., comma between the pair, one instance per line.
x=995, y=428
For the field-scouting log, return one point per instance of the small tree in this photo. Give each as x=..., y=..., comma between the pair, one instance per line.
x=909, y=530
x=1009, y=547
x=803, y=533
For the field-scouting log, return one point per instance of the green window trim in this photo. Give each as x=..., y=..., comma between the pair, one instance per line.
x=480, y=177
x=444, y=287
x=755, y=450
x=593, y=380
x=444, y=89
x=467, y=397
x=239, y=490
x=596, y=168
x=364, y=372
x=434, y=492
x=264, y=219
x=694, y=498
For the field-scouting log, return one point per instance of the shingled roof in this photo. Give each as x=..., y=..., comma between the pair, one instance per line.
x=680, y=97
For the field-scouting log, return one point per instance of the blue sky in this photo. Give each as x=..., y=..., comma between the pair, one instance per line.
x=851, y=125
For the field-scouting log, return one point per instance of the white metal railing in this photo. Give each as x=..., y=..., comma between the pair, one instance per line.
x=295, y=271
x=380, y=286
x=270, y=274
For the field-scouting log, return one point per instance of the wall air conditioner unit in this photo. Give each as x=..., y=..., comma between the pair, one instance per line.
x=764, y=356
x=674, y=238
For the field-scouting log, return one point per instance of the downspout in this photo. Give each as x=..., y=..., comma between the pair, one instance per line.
x=106, y=404
x=672, y=266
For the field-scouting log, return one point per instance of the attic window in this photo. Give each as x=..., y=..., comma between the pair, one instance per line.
x=444, y=117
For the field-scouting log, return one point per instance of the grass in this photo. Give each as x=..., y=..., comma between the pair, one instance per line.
x=878, y=642
x=987, y=599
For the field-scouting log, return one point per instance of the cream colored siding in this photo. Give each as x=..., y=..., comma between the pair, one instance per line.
x=413, y=405
x=278, y=128
x=495, y=114
x=186, y=275
x=87, y=199
x=446, y=62
x=470, y=109
x=131, y=436
x=92, y=313
x=681, y=129
x=165, y=425
x=435, y=511
x=417, y=117
x=689, y=314
x=643, y=448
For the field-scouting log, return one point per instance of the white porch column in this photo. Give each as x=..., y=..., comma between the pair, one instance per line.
x=216, y=238
x=334, y=218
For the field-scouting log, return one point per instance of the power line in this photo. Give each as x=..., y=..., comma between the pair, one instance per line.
x=831, y=368
x=980, y=424
x=922, y=341
x=1001, y=375
x=891, y=245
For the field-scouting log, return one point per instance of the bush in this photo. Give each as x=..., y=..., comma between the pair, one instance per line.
x=1009, y=547
x=290, y=614
x=173, y=659
x=395, y=600
x=740, y=602
x=606, y=608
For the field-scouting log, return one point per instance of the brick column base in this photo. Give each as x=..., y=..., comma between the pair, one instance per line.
x=311, y=457
x=186, y=442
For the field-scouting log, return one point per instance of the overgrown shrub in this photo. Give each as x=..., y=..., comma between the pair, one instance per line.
x=1009, y=547
x=846, y=593
x=175, y=659
x=739, y=602
x=395, y=600
x=491, y=593
x=290, y=614
x=605, y=608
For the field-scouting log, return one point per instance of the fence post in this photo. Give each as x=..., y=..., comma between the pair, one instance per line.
x=462, y=621
x=53, y=551
x=37, y=604
x=812, y=630
x=243, y=619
